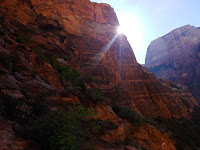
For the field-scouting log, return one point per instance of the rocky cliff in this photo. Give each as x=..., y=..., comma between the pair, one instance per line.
x=97, y=50
x=175, y=57
x=40, y=40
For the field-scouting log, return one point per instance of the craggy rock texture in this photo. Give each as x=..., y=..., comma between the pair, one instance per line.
x=91, y=28
x=84, y=36
x=176, y=57
x=151, y=138
x=82, y=33
x=8, y=139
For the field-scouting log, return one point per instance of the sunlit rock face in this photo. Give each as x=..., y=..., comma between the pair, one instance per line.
x=85, y=34
x=176, y=57
x=92, y=32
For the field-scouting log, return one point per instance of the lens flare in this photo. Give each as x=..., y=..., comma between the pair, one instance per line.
x=119, y=30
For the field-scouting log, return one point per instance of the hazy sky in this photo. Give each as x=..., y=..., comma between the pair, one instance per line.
x=146, y=20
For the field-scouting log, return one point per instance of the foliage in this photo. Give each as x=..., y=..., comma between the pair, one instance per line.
x=21, y=38
x=151, y=121
x=40, y=52
x=69, y=74
x=70, y=132
x=62, y=130
x=105, y=125
x=96, y=95
x=186, y=133
x=128, y=114
x=5, y=60
x=99, y=92
x=58, y=67
x=22, y=110
x=132, y=116
x=175, y=86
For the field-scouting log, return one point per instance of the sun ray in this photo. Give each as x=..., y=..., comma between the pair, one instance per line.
x=105, y=49
x=120, y=56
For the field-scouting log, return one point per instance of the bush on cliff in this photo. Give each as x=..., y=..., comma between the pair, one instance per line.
x=21, y=38
x=185, y=132
x=21, y=109
x=128, y=114
x=104, y=125
x=62, y=130
x=96, y=95
x=132, y=116
x=69, y=74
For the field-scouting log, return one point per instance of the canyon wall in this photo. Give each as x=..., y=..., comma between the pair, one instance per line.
x=176, y=57
x=84, y=34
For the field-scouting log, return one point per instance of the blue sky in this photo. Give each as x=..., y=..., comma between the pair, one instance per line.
x=147, y=20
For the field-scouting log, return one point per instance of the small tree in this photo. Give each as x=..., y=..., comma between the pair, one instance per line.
x=62, y=130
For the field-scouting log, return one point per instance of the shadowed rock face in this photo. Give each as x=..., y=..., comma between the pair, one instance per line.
x=86, y=34
x=176, y=57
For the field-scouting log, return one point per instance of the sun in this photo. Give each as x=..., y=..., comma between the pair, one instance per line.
x=130, y=26
x=119, y=30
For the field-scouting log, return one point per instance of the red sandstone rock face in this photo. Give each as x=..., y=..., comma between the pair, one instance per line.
x=156, y=140
x=176, y=57
x=86, y=34
x=79, y=33
x=8, y=139
x=94, y=27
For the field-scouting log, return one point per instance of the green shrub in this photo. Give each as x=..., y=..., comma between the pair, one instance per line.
x=13, y=108
x=175, y=86
x=21, y=38
x=69, y=74
x=185, y=132
x=58, y=67
x=151, y=121
x=105, y=125
x=128, y=114
x=79, y=82
x=65, y=71
x=46, y=60
x=62, y=130
x=75, y=74
x=88, y=79
x=132, y=116
x=40, y=53
x=95, y=95
x=99, y=92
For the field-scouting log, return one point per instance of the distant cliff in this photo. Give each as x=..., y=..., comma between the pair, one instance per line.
x=176, y=57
